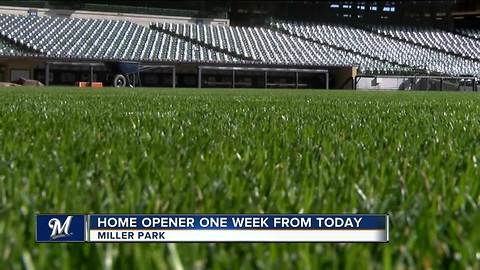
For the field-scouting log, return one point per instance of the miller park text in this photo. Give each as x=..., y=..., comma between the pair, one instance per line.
x=130, y=235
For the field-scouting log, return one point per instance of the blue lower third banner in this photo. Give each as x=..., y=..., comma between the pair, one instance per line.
x=212, y=228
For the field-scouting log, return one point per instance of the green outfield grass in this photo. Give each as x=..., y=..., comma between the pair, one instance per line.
x=415, y=156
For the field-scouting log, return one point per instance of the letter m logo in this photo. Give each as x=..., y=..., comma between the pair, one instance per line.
x=60, y=228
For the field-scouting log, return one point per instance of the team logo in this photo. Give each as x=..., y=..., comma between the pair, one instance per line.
x=60, y=228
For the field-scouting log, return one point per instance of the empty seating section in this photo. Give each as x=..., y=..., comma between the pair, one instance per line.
x=433, y=38
x=8, y=49
x=272, y=47
x=102, y=39
x=378, y=49
x=473, y=33
x=386, y=48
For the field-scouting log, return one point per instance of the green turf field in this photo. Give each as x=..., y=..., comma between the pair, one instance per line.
x=415, y=156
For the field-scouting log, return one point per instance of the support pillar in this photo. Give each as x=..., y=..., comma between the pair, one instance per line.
x=47, y=74
x=199, y=78
x=233, y=78
x=266, y=79
x=296, y=80
x=327, y=81
x=91, y=75
x=174, y=75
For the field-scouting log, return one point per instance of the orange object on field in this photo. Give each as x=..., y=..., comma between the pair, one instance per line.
x=97, y=85
x=82, y=84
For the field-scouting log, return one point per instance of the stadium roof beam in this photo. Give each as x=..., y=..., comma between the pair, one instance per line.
x=262, y=69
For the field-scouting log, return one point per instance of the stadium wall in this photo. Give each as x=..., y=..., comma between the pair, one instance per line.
x=433, y=83
x=13, y=69
x=66, y=72
x=141, y=19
